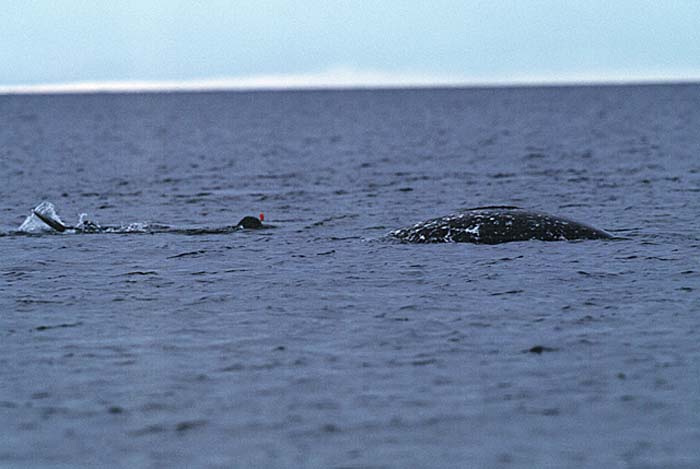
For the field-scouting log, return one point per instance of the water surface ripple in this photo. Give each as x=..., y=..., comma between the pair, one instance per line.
x=319, y=343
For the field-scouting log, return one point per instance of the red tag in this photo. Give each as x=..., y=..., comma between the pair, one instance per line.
x=262, y=216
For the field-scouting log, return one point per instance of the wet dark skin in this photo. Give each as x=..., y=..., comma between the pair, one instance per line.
x=248, y=223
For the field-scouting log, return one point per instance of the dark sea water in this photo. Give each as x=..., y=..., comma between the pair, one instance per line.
x=320, y=343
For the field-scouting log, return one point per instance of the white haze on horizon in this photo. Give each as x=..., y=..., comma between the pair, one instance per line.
x=336, y=78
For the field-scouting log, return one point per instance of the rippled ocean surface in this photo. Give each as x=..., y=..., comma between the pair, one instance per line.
x=320, y=343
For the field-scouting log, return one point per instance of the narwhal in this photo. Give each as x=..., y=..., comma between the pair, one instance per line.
x=497, y=224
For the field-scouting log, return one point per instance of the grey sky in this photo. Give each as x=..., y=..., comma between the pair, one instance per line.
x=467, y=41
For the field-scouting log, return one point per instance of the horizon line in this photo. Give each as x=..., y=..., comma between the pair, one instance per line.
x=337, y=79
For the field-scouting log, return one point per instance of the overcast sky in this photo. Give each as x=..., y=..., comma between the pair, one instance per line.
x=404, y=41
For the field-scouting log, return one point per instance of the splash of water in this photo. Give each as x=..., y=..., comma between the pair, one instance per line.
x=133, y=228
x=32, y=224
x=86, y=225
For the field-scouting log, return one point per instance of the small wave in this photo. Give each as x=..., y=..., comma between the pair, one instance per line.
x=188, y=254
x=58, y=326
x=328, y=220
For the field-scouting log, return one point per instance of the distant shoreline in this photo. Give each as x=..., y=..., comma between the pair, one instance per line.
x=146, y=87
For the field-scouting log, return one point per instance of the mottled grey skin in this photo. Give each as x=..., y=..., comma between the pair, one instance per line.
x=494, y=225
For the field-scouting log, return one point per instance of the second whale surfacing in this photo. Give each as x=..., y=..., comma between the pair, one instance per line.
x=45, y=212
x=495, y=225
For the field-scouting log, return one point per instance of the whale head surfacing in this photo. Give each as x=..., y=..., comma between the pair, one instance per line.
x=497, y=224
x=250, y=223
